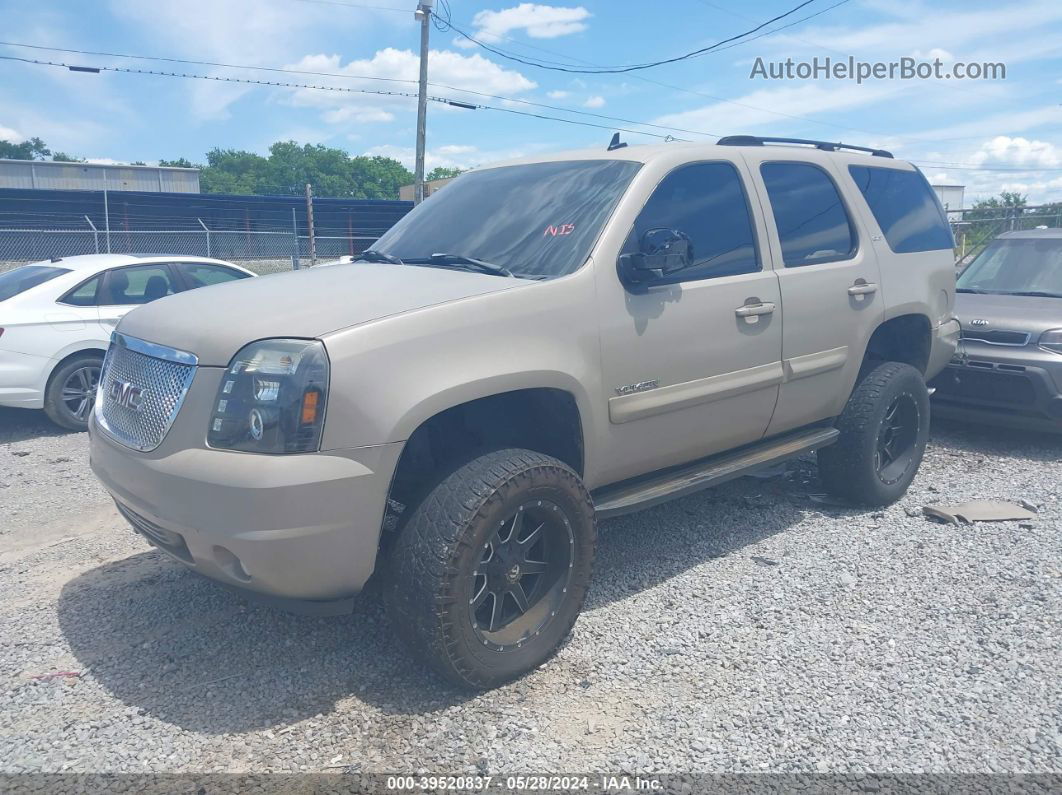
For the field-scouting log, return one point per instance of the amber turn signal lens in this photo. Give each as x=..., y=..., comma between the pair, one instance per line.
x=309, y=407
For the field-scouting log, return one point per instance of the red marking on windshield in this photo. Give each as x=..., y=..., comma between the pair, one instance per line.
x=558, y=231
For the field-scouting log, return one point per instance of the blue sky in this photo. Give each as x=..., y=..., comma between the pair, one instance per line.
x=989, y=135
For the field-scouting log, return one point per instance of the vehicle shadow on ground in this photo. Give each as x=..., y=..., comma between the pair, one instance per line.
x=189, y=652
x=20, y=425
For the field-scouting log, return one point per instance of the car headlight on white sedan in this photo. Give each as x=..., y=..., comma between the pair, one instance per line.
x=272, y=398
x=1051, y=340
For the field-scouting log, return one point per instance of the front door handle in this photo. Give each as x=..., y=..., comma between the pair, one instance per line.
x=753, y=310
x=862, y=288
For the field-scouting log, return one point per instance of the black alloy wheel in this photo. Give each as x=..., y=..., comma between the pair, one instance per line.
x=523, y=575
x=897, y=439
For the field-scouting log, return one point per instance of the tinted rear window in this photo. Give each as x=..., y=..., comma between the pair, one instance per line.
x=812, y=222
x=21, y=279
x=905, y=207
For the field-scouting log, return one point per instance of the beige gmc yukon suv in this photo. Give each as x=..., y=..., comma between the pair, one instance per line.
x=540, y=345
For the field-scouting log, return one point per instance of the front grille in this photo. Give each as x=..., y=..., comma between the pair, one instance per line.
x=986, y=385
x=141, y=389
x=998, y=337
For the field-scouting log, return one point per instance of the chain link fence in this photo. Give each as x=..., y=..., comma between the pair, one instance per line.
x=274, y=251
x=259, y=251
x=975, y=229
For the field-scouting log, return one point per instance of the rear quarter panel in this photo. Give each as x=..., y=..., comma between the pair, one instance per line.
x=918, y=283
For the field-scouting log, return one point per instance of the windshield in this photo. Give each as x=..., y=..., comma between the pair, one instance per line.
x=537, y=220
x=21, y=279
x=1016, y=265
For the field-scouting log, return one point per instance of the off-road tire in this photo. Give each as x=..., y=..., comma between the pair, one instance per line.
x=430, y=571
x=849, y=468
x=58, y=411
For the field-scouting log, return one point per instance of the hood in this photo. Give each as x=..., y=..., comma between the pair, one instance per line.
x=215, y=322
x=1009, y=312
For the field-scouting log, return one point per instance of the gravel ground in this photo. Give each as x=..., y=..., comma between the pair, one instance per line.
x=748, y=628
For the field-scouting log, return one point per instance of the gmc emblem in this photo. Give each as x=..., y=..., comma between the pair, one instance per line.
x=125, y=394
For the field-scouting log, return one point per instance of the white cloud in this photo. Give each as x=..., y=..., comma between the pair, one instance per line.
x=471, y=72
x=564, y=94
x=1018, y=153
x=935, y=52
x=451, y=155
x=925, y=28
x=256, y=32
x=538, y=21
x=990, y=125
x=771, y=106
x=358, y=114
x=595, y=101
x=11, y=135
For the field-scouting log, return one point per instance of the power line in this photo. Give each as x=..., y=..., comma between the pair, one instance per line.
x=343, y=76
x=634, y=67
x=192, y=62
x=340, y=89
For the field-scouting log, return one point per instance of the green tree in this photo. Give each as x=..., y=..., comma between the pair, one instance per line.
x=441, y=172
x=1050, y=215
x=233, y=171
x=180, y=162
x=31, y=149
x=289, y=166
x=63, y=157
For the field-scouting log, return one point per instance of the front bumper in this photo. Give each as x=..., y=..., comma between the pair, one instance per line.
x=295, y=527
x=1013, y=386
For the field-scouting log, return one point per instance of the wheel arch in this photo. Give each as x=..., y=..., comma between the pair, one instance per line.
x=67, y=356
x=543, y=419
x=905, y=338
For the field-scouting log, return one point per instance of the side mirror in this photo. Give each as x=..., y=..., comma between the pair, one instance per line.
x=661, y=252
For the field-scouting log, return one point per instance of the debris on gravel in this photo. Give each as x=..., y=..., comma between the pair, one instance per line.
x=742, y=629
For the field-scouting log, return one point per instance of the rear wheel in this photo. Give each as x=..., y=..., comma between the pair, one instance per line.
x=884, y=428
x=489, y=574
x=71, y=391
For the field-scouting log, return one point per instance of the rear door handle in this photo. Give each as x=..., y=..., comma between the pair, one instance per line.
x=862, y=289
x=752, y=310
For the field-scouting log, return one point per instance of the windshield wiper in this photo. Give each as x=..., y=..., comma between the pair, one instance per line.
x=1036, y=294
x=971, y=290
x=371, y=255
x=444, y=259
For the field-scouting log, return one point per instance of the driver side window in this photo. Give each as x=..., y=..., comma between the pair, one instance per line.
x=707, y=203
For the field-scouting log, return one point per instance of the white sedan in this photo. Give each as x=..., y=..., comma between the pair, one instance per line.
x=56, y=319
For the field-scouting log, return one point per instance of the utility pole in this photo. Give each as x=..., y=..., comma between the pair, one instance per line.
x=423, y=13
x=309, y=225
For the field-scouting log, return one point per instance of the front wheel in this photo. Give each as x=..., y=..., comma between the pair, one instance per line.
x=884, y=428
x=71, y=391
x=489, y=574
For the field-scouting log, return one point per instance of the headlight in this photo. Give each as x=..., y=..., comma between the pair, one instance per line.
x=1052, y=340
x=272, y=398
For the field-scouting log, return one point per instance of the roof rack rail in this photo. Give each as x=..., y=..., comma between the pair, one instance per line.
x=826, y=146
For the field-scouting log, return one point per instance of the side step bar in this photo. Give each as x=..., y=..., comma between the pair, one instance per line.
x=654, y=489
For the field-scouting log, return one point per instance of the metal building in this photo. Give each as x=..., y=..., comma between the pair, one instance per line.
x=951, y=197
x=50, y=175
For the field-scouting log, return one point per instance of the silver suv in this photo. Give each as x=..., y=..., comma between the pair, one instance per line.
x=540, y=345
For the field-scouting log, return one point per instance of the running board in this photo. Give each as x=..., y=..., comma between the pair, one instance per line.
x=654, y=489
